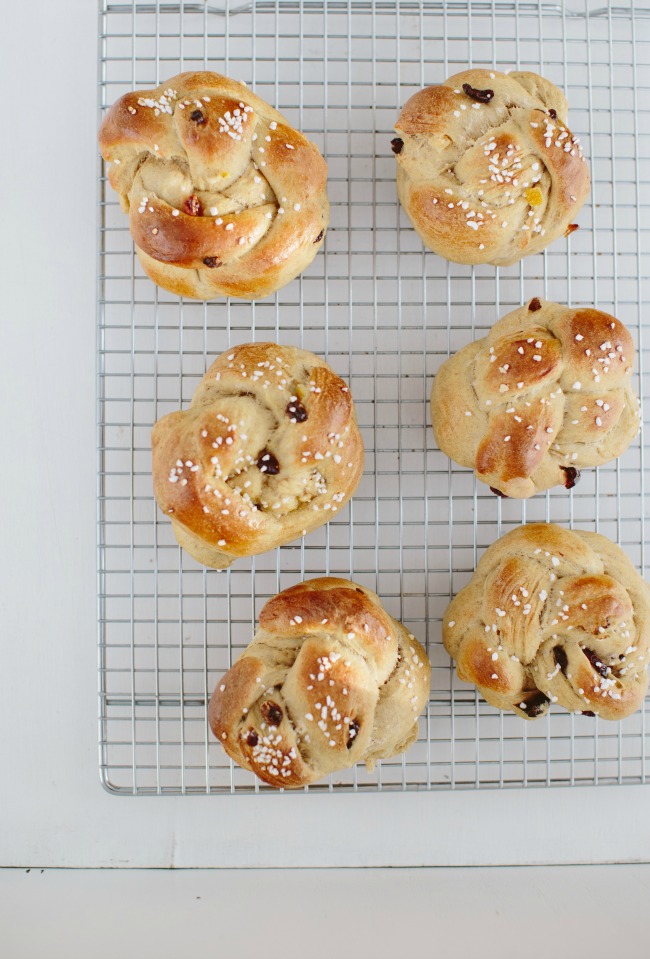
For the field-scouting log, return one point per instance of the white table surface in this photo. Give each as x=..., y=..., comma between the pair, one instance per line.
x=54, y=812
x=569, y=912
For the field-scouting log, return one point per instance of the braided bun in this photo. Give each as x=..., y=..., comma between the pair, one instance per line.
x=547, y=392
x=553, y=615
x=487, y=170
x=329, y=680
x=268, y=451
x=224, y=197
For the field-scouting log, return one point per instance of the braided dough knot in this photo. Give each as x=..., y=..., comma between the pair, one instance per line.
x=268, y=450
x=547, y=392
x=487, y=169
x=329, y=680
x=553, y=615
x=223, y=196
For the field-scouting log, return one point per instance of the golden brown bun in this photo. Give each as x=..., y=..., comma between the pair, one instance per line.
x=268, y=451
x=553, y=614
x=489, y=182
x=224, y=197
x=546, y=393
x=329, y=680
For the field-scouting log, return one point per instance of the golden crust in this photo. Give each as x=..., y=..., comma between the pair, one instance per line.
x=489, y=182
x=225, y=500
x=553, y=615
x=329, y=680
x=343, y=608
x=546, y=392
x=224, y=197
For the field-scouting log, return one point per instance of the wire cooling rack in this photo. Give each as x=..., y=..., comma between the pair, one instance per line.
x=385, y=314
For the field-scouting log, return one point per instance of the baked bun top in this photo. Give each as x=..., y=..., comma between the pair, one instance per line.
x=224, y=197
x=553, y=615
x=487, y=169
x=268, y=450
x=329, y=680
x=547, y=392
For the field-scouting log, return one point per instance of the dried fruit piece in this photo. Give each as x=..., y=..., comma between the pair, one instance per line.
x=193, y=205
x=560, y=657
x=212, y=261
x=396, y=145
x=271, y=712
x=535, y=705
x=197, y=116
x=267, y=463
x=482, y=96
x=296, y=411
x=572, y=227
x=534, y=195
x=596, y=662
x=572, y=476
x=353, y=729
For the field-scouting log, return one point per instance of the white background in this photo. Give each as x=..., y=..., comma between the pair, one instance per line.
x=54, y=812
x=566, y=912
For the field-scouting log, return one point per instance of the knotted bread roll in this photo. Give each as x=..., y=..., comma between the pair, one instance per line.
x=553, y=615
x=268, y=450
x=547, y=392
x=329, y=680
x=487, y=170
x=224, y=197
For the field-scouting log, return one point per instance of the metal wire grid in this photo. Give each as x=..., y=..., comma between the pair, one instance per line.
x=385, y=314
